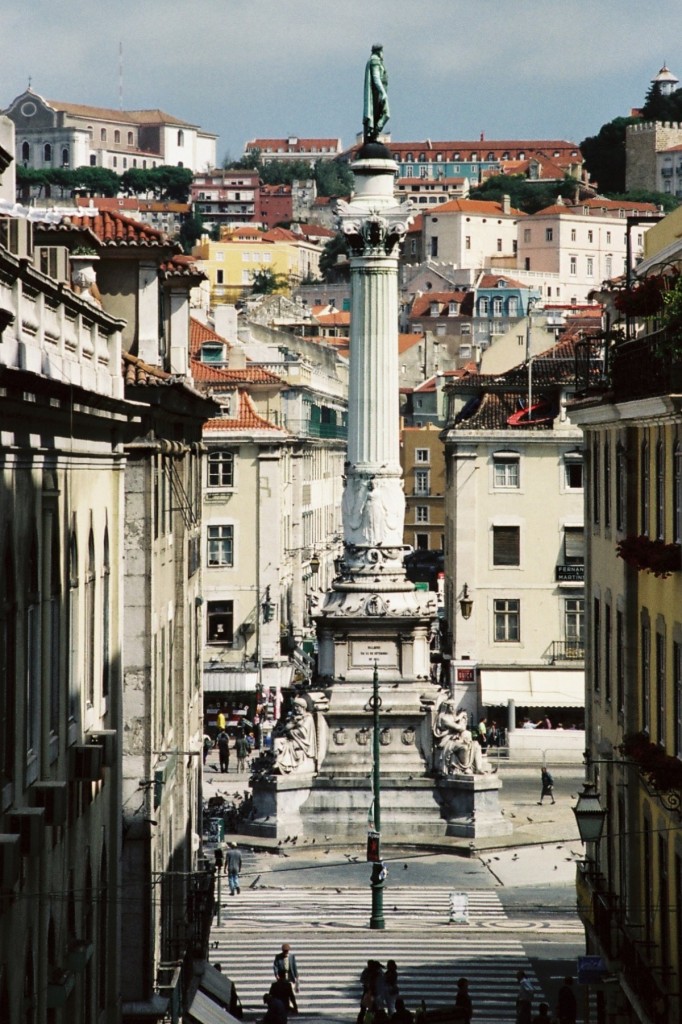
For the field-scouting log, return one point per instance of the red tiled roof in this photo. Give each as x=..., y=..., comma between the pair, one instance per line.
x=137, y=372
x=297, y=147
x=406, y=341
x=339, y=319
x=246, y=419
x=314, y=231
x=199, y=333
x=209, y=373
x=491, y=281
x=418, y=223
x=181, y=266
x=112, y=229
x=422, y=303
x=480, y=206
x=154, y=116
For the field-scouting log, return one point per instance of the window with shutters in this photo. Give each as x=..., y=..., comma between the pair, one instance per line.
x=506, y=545
x=574, y=545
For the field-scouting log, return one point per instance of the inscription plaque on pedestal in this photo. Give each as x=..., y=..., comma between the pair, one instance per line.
x=365, y=653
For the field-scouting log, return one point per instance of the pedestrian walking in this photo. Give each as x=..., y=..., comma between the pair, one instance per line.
x=567, y=1006
x=547, y=786
x=219, y=860
x=483, y=733
x=524, y=999
x=241, y=749
x=542, y=1016
x=208, y=744
x=391, y=985
x=284, y=991
x=233, y=866
x=220, y=720
x=493, y=735
x=463, y=1006
x=373, y=983
x=223, y=742
x=286, y=962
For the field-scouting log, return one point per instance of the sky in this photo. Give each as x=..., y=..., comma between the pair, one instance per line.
x=511, y=69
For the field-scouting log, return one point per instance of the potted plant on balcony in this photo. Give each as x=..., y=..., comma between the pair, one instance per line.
x=654, y=556
x=643, y=298
x=661, y=770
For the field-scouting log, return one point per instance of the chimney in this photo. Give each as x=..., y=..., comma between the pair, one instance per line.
x=506, y=204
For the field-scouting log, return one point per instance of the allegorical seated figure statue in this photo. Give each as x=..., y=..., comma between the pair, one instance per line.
x=458, y=753
x=375, y=109
x=295, y=741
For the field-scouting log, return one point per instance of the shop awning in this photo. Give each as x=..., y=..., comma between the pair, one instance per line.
x=224, y=681
x=211, y=998
x=533, y=688
x=205, y=1011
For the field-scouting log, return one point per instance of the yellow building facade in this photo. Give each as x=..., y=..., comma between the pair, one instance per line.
x=630, y=889
x=231, y=265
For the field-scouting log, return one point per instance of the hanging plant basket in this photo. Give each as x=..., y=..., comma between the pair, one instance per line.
x=654, y=556
x=661, y=770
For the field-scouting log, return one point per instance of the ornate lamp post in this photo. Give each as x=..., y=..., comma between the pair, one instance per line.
x=376, y=921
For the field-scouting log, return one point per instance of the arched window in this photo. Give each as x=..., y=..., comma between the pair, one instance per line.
x=47, y=153
x=131, y=138
x=65, y=157
x=25, y=152
x=8, y=655
x=117, y=137
x=181, y=137
x=497, y=305
x=89, y=600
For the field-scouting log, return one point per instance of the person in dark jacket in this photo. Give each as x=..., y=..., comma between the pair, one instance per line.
x=547, y=786
x=284, y=991
x=567, y=1006
x=463, y=1005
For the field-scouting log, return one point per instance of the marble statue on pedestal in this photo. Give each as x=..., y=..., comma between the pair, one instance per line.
x=295, y=746
x=458, y=752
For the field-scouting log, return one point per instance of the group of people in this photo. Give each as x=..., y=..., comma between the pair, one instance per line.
x=281, y=997
x=566, y=1008
x=488, y=735
x=381, y=1000
x=242, y=750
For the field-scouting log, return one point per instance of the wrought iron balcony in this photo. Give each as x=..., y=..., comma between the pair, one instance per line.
x=568, y=650
x=647, y=366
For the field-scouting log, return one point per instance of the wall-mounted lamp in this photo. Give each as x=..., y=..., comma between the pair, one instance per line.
x=589, y=814
x=466, y=603
x=315, y=564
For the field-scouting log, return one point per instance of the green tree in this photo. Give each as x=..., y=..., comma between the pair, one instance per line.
x=604, y=155
x=333, y=178
x=526, y=195
x=662, y=108
x=191, y=231
x=99, y=181
x=266, y=282
x=277, y=172
x=329, y=265
x=249, y=162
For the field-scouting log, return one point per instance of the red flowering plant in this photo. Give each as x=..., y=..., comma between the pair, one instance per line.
x=646, y=555
x=643, y=298
x=661, y=770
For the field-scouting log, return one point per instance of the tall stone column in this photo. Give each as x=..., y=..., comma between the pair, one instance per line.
x=373, y=500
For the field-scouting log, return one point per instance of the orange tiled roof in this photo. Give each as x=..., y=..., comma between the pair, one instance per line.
x=482, y=206
x=246, y=419
x=181, y=266
x=209, y=373
x=341, y=318
x=137, y=372
x=490, y=281
x=297, y=147
x=112, y=229
x=422, y=303
x=155, y=116
x=200, y=333
x=406, y=341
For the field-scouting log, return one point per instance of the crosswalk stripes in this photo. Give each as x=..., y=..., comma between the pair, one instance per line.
x=330, y=960
x=350, y=907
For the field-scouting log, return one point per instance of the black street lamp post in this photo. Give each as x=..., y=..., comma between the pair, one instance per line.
x=376, y=921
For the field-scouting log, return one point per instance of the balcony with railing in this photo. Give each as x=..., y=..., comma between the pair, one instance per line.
x=312, y=428
x=567, y=650
x=647, y=366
